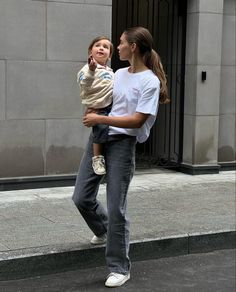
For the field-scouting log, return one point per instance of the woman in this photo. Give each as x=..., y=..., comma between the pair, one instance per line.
x=137, y=91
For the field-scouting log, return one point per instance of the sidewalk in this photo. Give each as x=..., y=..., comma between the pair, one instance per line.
x=170, y=213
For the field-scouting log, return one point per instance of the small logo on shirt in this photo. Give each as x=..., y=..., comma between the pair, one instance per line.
x=81, y=76
x=105, y=75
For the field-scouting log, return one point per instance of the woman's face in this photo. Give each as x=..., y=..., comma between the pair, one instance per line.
x=124, y=49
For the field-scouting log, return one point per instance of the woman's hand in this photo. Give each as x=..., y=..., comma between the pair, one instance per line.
x=91, y=119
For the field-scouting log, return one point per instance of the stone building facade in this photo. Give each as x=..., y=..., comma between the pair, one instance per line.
x=209, y=110
x=44, y=43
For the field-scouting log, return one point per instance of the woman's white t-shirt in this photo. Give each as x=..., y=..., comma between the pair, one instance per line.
x=135, y=92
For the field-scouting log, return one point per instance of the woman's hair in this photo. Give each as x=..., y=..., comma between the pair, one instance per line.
x=97, y=39
x=143, y=39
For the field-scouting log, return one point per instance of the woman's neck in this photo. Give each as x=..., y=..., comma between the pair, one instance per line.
x=137, y=65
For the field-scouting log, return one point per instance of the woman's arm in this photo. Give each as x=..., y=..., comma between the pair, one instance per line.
x=135, y=120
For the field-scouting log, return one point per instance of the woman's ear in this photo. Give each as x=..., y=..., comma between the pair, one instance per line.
x=133, y=47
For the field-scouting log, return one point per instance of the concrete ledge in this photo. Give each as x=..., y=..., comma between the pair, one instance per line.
x=32, y=182
x=46, y=260
x=199, y=169
x=227, y=165
x=63, y=180
x=212, y=241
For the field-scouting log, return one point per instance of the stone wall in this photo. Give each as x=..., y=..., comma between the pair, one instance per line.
x=227, y=130
x=44, y=43
x=42, y=46
x=209, y=113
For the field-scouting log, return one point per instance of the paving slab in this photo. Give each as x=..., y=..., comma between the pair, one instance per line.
x=170, y=213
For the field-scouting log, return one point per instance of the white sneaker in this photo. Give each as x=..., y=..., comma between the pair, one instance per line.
x=116, y=280
x=98, y=163
x=99, y=239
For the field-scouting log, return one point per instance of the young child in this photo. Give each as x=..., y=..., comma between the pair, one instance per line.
x=96, y=85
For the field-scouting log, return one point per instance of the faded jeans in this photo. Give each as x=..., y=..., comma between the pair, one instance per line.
x=120, y=164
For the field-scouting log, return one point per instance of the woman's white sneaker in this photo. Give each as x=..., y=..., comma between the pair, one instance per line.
x=99, y=239
x=116, y=280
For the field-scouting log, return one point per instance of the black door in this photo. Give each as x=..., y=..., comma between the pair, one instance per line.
x=166, y=20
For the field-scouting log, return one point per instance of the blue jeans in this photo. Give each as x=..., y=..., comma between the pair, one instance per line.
x=120, y=164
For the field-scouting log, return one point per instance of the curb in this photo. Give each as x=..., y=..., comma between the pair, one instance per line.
x=57, y=259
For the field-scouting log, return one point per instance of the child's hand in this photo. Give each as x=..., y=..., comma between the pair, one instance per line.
x=90, y=110
x=92, y=63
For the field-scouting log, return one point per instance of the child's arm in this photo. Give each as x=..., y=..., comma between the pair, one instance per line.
x=90, y=110
x=85, y=76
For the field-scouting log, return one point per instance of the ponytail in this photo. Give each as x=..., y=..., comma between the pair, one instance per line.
x=153, y=62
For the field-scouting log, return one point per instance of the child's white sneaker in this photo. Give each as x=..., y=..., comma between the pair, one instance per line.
x=98, y=163
x=116, y=280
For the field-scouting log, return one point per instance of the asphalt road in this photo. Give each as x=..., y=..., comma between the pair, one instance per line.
x=204, y=272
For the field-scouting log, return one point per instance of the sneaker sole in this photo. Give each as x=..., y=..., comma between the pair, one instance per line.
x=102, y=173
x=98, y=243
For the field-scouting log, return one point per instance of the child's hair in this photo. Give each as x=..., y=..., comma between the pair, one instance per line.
x=143, y=39
x=97, y=39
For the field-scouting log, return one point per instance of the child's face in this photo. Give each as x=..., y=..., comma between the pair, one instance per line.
x=101, y=51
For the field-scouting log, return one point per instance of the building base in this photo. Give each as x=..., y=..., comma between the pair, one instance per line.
x=228, y=165
x=196, y=169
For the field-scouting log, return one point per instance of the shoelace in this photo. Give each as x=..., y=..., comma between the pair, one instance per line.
x=100, y=164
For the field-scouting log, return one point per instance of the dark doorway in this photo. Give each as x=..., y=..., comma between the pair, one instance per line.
x=166, y=20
